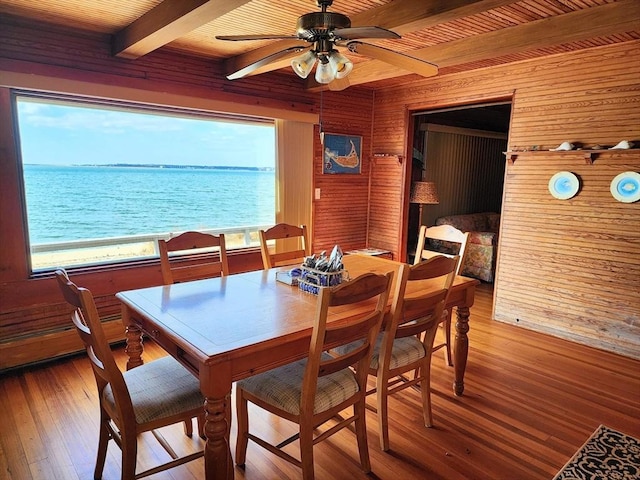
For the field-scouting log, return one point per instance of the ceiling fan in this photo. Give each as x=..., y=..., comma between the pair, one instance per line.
x=325, y=31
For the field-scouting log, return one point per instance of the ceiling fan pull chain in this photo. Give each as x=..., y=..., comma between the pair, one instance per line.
x=320, y=120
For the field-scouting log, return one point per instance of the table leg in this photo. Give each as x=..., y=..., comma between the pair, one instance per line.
x=461, y=349
x=133, y=336
x=215, y=383
x=217, y=457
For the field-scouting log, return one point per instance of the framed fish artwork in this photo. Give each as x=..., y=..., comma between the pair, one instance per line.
x=341, y=153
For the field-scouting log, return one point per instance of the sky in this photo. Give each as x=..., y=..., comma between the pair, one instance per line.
x=57, y=134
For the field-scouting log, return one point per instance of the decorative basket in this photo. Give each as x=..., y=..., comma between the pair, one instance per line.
x=312, y=280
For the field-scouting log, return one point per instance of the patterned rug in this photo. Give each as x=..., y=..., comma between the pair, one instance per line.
x=607, y=455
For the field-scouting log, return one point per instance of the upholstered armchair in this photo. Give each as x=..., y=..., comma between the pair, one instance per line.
x=480, y=258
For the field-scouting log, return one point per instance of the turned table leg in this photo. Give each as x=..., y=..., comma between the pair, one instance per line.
x=217, y=457
x=461, y=349
x=133, y=336
x=215, y=383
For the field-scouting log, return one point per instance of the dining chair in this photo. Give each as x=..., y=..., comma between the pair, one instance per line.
x=442, y=240
x=312, y=391
x=204, y=264
x=151, y=396
x=284, y=231
x=406, y=343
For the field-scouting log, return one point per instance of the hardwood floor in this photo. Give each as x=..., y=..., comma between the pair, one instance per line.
x=530, y=402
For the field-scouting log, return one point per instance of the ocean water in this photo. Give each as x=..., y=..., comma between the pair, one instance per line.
x=86, y=202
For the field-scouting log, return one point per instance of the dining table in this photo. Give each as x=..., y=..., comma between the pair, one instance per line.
x=228, y=328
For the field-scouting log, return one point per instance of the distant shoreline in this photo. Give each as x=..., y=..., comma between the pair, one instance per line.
x=158, y=165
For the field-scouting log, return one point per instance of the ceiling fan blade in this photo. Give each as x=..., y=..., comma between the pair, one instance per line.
x=263, y=61
x=397, y=59
x=353, y=33
x=235, y=38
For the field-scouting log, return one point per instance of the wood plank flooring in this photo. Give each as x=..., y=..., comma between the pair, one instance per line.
x=530, y=402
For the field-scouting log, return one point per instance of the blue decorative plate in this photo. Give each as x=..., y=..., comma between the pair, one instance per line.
x=625, y=187
x=564, y=185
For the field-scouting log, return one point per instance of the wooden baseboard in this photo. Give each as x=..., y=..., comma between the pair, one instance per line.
x=37, y=348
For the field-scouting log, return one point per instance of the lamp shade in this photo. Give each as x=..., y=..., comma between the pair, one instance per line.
x=325, y=71
x=424, y=193
x=341, y=64
x=303, y=64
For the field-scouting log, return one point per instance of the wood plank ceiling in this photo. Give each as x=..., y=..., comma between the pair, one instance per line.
x=457, y=35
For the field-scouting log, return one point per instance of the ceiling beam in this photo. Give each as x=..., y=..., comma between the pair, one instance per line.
x=608, y=19
x=405, y=16
x=401, y=16
x=166, y=22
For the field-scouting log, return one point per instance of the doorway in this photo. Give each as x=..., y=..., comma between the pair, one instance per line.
x=460, y=150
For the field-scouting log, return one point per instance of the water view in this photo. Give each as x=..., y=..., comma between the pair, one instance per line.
x=66, y=203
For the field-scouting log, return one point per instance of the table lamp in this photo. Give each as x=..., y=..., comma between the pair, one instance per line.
x=423, y=193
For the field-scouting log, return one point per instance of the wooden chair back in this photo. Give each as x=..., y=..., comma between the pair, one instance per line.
x=284, y=231
x=450, y=236
x=162, y=405
x=87, y=322
x=363, y=327
x=442, y=233
x=202, y=263
x=296, y=391
x=416, y=312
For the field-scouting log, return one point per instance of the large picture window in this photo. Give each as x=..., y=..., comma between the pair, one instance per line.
x=103, y=182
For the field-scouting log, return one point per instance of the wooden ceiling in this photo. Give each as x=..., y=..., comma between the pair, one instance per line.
x=456, y=35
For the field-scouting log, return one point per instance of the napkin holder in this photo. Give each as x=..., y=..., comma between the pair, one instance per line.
x=311, y=280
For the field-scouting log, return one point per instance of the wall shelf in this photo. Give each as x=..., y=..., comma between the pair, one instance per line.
x=387, y=156
x=588, y=156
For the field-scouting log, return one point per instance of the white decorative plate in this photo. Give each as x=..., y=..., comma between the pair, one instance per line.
x=625, y=187
x=564, y=185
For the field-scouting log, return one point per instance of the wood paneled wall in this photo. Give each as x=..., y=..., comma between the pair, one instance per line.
x=340, y=215
x=570, y=268
x=386, y=193
x=33, y=321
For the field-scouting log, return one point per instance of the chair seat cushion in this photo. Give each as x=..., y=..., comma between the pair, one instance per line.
x=405, y=351
x=160, y=389
x=282, y=387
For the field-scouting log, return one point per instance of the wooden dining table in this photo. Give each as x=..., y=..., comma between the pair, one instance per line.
x=228, y=328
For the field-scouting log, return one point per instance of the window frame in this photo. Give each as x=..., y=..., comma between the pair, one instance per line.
x=134, y=107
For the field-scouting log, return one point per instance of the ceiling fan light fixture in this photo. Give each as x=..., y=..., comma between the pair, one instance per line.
x=303, y=64
x=341, y=64
x=325, y=71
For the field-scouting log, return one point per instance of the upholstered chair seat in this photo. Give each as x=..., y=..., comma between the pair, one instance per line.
x=282, y=387
x=159, y=389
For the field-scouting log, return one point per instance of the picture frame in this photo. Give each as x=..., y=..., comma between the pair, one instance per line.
x=341, y=154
